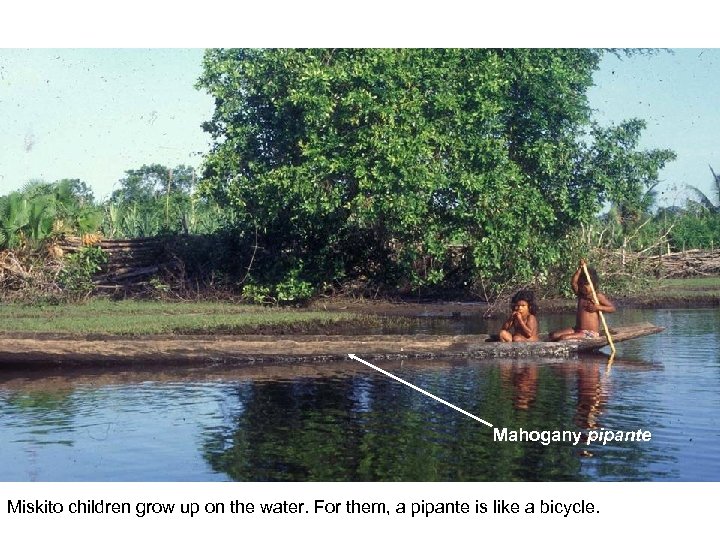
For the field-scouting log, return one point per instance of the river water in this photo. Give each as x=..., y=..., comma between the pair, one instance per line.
x=343, y=421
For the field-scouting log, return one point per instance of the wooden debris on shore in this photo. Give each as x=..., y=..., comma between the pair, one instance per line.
x=11, y=268
x=681, y=264
x=690, y=263
x=130, y=261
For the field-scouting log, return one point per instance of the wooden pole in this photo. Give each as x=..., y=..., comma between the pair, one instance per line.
x=167, y=198
x=597, y=303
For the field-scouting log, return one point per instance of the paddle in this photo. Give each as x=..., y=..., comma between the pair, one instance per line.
x=597, y=303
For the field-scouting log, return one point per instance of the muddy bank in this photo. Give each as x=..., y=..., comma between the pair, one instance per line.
x=402, y=308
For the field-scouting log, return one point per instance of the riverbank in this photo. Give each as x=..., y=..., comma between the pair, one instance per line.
x=331, y=316
x=105, y=317
x=676, y=293
x=667, y=293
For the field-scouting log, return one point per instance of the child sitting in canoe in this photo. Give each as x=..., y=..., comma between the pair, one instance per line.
x=587, y=318
x=522, y=324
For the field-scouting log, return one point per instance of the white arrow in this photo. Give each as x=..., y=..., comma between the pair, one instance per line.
x=420, y=390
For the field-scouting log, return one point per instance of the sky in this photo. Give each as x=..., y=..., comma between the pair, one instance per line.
x=677, y=93
x=94, y=113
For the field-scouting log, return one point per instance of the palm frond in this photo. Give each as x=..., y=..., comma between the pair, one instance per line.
x=717, y=184
x=703, y=199
x=649, y=197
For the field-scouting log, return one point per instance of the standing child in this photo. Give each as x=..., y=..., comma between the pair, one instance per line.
x=522, y=324
x=587, y=318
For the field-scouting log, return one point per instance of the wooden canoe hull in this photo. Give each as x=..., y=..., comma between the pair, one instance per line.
x=618, y=335
x=38, y=351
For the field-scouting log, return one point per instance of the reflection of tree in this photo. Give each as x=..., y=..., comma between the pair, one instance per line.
x=287, y=431
x=369, y=428
x=331, y=431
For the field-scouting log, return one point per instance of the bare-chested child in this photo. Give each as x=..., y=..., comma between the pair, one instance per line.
x=587, y=318
x=522, y=324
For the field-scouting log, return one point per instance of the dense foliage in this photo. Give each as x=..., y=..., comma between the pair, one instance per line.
x=416, y=167
x=154, y=200
x=698, y=226
x=150, y=201
x=696, y=229
x=387, y=170
x=30, y=215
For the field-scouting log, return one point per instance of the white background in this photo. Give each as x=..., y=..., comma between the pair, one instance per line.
x=625, y=510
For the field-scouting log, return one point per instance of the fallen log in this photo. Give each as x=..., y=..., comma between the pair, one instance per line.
x=128, y=273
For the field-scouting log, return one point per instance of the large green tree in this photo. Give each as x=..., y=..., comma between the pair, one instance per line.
x=416, y=165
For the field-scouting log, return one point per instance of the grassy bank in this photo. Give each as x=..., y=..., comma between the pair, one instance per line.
x=137, y=317
x=663, y=293
x=130, y=317
x=690, y=285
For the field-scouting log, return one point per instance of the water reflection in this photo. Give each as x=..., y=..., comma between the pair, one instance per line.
x=362, y=427
x=587, y=376
x=523, y=381
x=342, y=421
x=593, y=387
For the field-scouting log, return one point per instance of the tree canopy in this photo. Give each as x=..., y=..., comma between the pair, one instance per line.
x=417, y=166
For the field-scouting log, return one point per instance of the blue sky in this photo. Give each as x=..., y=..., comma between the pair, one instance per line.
x=678, y=94
x=94, y=113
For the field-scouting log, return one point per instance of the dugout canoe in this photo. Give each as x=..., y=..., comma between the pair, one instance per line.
x=33, y=350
